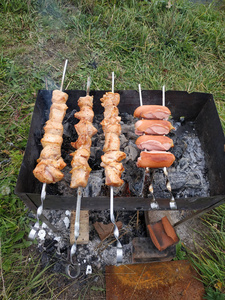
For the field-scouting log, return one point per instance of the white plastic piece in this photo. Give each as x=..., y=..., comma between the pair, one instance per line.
x=68, y=213
x=88, y=270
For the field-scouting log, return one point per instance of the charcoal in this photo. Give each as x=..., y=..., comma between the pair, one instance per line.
x=123, y=141
x=131, y=152
x=177, y=180
x=188, y=174
x=93, y=189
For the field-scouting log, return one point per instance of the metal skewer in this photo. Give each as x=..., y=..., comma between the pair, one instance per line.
x=36, y=227
x=154, y=204
x=173, y=204
x=75, y=267
x=119, y=256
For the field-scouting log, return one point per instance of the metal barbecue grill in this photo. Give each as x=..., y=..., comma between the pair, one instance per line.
x=194, y=117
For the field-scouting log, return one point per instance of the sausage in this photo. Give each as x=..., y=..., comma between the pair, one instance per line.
x=154, y=142
x=152, y=112
x=155, y=159
x=159, y=127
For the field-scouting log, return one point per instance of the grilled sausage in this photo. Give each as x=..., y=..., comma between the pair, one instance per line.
x=155, y=159
x=154, y=142
x=159, y=127
x=152, y=112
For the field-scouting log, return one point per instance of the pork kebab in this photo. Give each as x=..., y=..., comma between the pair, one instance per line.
x=80, y=167
x=50, y=162
x=112, y=158
x=85, y=130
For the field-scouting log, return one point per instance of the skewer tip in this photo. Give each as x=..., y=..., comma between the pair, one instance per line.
x=140, y=94
x=63, y=76
x=163, y=96
x=112, y=82
x=88, y=85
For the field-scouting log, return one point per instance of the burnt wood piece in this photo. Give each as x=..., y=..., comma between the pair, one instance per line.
x=196, y=107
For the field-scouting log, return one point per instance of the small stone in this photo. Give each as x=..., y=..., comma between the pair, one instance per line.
x=66, y=222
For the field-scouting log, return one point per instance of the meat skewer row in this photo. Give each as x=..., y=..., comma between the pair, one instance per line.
x=156, y=144
x=145, y=143
x=111, y=160
x=50, y=162
x=85, y=130
x=152, y=136
x=80, y=167
x=112, y=130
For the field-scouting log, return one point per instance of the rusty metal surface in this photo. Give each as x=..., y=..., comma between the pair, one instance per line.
x=157, y=281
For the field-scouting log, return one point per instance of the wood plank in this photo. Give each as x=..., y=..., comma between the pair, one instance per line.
x=84, y=227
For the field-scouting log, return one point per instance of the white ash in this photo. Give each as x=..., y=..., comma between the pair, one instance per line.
x=55, y=247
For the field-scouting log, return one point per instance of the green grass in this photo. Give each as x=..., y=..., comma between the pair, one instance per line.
x=210, y=261
x=141, y=41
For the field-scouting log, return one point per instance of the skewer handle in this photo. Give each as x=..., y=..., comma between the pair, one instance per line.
x=33, y=233
x=116, y=230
